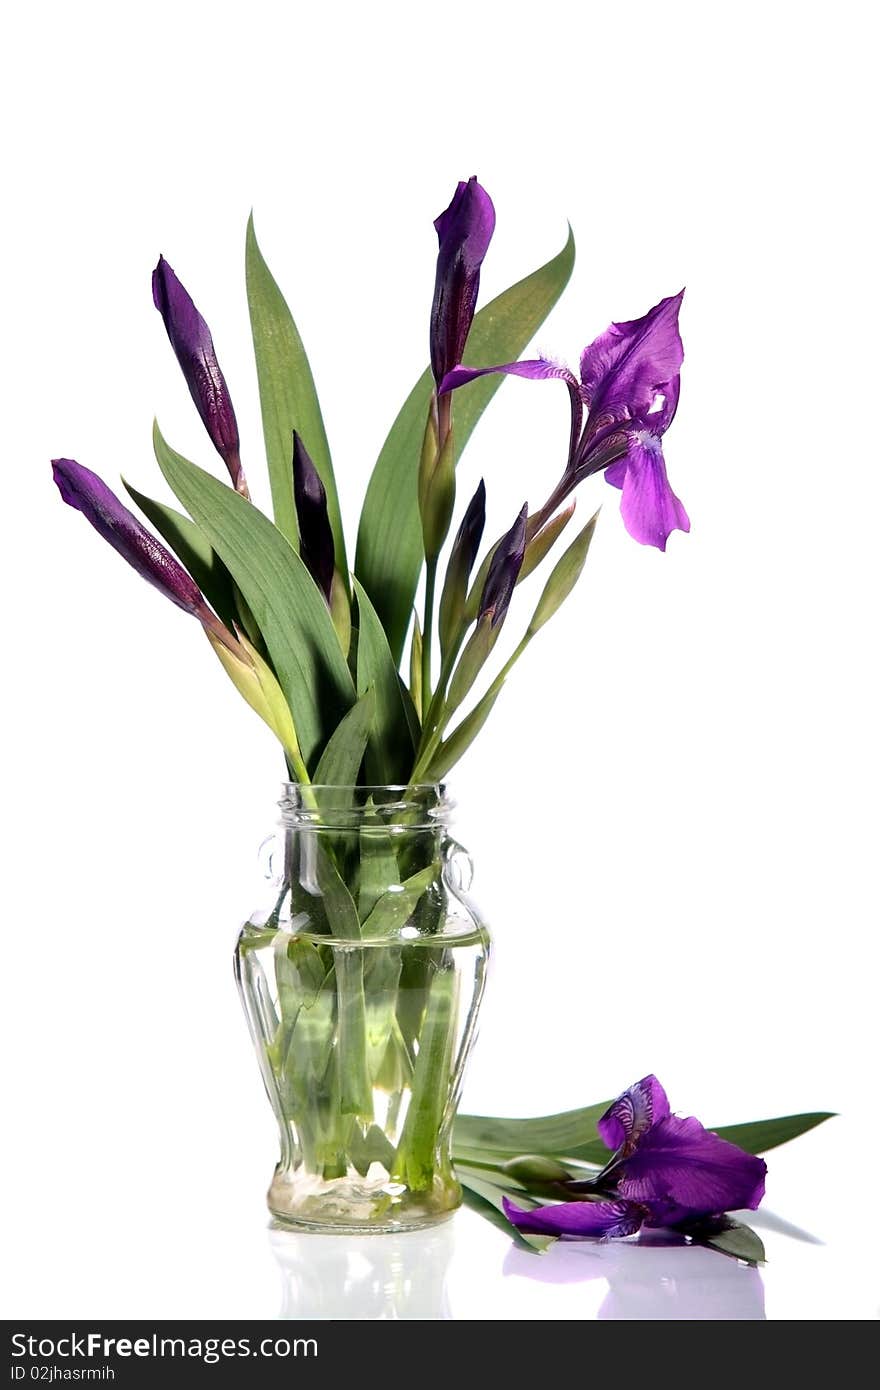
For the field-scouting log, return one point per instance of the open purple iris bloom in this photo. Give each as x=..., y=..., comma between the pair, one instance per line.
x=666, y=1171
x=629, y=384
x=464, y=231
x=193, y=345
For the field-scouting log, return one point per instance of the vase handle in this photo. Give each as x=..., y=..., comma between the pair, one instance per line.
x=269, y=857
x=458, y=867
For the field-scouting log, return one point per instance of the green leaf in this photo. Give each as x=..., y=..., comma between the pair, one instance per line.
x=340, y=761
x=462, y=736
x=547, y=1134
x=591, y=1151
x=564, y=575
x=389, y=550
x=390, y=751
x=415, y=667
x=280, y=592
x=372, y=1147
x=486, y=1199
x=338, y=903
x=736, y=1239
x=193, y=551
x=757, y=1136
x=395, y=906
x=573, y=1133
x=541, y=544
x=478, y=649
x=287, y=398
x=378, y=866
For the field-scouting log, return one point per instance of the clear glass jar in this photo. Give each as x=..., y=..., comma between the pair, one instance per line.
x=361, y=986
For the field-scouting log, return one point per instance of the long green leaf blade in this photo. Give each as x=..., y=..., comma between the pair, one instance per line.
x=340, y=761
x=379, y=866
x=394, y=907
x=486, y=1198
x=545, y=1134
x=389, y=549
x=462, y=736
x=564, y=576
x=573, y=1133
x=390, y=751
x=288, y=398
x=193, y=550
x=757, y=1136
x=280, y=592
x=736, y=1239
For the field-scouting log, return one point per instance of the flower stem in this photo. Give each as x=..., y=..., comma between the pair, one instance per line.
x=416, y=1155
x=428, y=629
x=434, y=728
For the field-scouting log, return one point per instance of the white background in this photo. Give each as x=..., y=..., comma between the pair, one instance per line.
x=673, y=809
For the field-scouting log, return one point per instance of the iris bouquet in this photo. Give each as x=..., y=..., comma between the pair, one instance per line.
x=362, y=979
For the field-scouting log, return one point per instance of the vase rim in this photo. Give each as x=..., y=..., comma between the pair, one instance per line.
x=413, y=806
x=415, y=788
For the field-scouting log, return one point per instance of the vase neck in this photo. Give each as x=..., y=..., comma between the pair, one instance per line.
x=399, y=809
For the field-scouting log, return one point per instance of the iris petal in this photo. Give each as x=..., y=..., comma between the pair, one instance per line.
x=628, y=364
x=535, y=369
x=679, y=1162
x=649, y=507
x=633, y=1113
x=604, y=1219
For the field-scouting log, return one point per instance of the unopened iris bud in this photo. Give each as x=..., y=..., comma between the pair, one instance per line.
x=193, y=346
x=537, y=1169
x=87, y=493
x=464, y=231
x=504, y=572
x=458, y=572
x=250, y=673
x=316, y=546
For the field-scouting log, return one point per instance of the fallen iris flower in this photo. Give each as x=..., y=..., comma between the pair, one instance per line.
x=666, y=1171
x=629, y=383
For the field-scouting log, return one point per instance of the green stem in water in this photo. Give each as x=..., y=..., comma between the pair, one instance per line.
x=416, y=1154
x=355, y=1093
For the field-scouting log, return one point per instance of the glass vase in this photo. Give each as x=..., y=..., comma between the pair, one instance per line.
x=361, y=985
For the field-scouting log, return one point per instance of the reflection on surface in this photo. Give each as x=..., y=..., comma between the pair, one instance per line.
x=377, y=1277
x=653, y=1278
x=404, y=1276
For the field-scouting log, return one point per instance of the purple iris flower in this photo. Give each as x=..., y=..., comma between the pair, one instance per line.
x=464, y=231
x=666, y=1171
x=89, y=494
x=629, y=384
x=194, y=348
